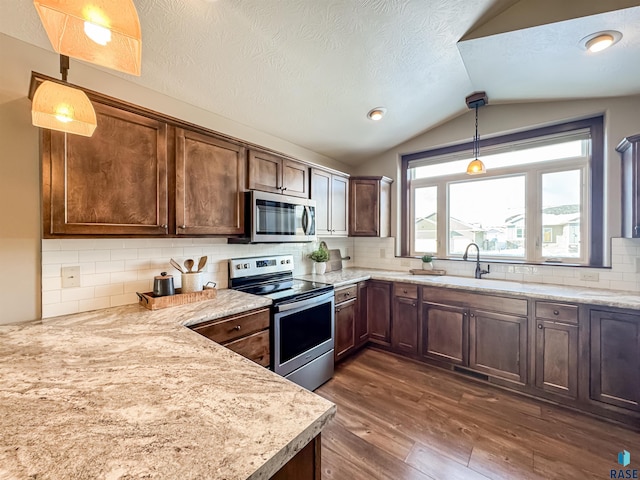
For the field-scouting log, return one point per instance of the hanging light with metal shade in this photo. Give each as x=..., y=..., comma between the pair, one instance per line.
x=476, y=100
x=104, y=32
x=60, y=107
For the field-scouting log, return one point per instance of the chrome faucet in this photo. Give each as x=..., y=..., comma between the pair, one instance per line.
x=479, y=271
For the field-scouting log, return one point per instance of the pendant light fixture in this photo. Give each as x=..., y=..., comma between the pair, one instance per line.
x=57, y=106
x=104, y=32
x=475, y=101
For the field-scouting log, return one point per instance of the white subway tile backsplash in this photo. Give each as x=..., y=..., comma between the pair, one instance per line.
x=56, y=309
x=138, y=286
x=59, y=256
x=50, y=297
x=51, y=270
x=50, y=245
x=109, y=290
x=124, y=254
x=80, y=293
x=115, y=266
x=94, y=256
x=124, y=299
x=94, y=304
x=95, y=279
x=121, y=277
x=51, y=283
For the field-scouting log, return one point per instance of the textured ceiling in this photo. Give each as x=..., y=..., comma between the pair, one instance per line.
x=308, y=71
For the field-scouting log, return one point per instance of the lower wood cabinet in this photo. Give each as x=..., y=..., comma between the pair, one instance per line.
x=498, y=345
x=404, y=321
x=557, y=358
x=362, y=322
x=445, y=332
x=246, y=334
x=305, y=465
x=615, y=359
x=379, y=312
x=345, y=318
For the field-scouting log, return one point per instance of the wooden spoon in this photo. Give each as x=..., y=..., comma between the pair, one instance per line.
x=189, y=265
x=201, y=263
x=176, y=265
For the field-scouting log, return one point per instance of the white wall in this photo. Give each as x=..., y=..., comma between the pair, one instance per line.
x=20, y=211
x=621, y=119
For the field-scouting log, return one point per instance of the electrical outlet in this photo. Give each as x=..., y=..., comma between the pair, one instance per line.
x=70, y=277
x=590, y=276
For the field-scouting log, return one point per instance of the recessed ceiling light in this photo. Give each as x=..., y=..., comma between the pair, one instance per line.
x=377, y=113
x=596, y=42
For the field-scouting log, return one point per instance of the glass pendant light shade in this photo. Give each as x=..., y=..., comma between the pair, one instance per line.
x=104, y=32
x=59, y=107
x=476, y=167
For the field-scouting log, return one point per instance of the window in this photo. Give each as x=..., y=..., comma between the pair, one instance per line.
x=540, y=200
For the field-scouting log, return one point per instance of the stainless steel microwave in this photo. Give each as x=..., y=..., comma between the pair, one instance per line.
x=274, y=218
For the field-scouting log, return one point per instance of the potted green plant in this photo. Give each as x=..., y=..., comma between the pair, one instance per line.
x=320, y=257
x=427, y=262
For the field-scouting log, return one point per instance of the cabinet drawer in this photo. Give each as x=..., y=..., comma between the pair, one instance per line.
x=254, y=347
x=557, y=311
x=346, y=293
x=406, y=290
x=235, y=327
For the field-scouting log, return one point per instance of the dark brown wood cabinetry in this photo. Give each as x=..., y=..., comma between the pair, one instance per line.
x=370, y=206
x=556, y=348
x=379, y=312
x=629, y=150
x=113, y=183
x=498, y=345
x=615, y=358
x=404, y=321
x=445, y=331
x=345, y=321
x=246, y=334
x=362, y=322
x=272, y=173
x=210, y=176
x=331, y=193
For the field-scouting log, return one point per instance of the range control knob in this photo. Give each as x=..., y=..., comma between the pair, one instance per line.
x=246, y=265
x=238, y=267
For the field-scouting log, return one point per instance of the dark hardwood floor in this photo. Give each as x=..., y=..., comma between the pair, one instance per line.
x=401, y=420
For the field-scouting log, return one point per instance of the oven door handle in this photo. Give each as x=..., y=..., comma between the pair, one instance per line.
x=309, y=302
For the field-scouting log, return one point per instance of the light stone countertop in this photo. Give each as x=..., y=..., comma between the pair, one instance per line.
x=560, y=293
x=131, y=393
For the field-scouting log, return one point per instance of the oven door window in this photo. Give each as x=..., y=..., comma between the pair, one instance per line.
x=279, y=218
x=303, y=330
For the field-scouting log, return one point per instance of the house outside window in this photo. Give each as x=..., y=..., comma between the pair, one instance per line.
x=540, y=200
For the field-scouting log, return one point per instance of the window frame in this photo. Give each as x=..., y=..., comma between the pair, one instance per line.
x=594, y=191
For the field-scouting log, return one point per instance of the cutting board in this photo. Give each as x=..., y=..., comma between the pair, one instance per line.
x=335, y=260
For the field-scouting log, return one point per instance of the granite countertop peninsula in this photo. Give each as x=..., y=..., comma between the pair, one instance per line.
x=543, y=291
x=130, y=393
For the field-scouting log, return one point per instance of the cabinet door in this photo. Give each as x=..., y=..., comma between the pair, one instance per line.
x=255, y=347
x=629, y=150
x=339, y=205
x=404, y=337
x=321, y=193
x=113, y=183
x=498, y=345
x=615, y=359
x=445, y=330
x=265, y=172
x=557, y=358
x=362, y=322
x=295, y=178
x=379, y=312
x=345, y=329
x=364, y=218
x=210, y=175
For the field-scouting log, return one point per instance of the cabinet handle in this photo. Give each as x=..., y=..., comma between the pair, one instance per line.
x=413, y=304
x=473, y=314
x=404, y=291
x=337, y=310
x=237, y=328
x=636, y=230
x=182, y=227
x=540, y=326
x=556, y=312
x=164, y=225
x=284, y=188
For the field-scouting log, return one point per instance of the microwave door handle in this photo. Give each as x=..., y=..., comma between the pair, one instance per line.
x=305, y=220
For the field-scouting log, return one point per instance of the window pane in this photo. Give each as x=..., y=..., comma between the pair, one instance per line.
x=489, y=213
x=426, y=221
x=559, y=151
x=561, y=207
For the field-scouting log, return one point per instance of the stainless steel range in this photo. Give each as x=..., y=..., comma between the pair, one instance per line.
x=302, y=321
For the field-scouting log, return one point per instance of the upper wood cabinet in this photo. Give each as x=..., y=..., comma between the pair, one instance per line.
x=210, y=175
x=370, y=206
x=331, y=193
x=276, y=174
x=113, y=183
x=629, y=150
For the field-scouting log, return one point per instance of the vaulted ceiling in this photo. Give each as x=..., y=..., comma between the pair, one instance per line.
x=308, y=71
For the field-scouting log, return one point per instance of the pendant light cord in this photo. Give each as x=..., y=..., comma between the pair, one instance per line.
x=64, y=67
x=476, y=139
